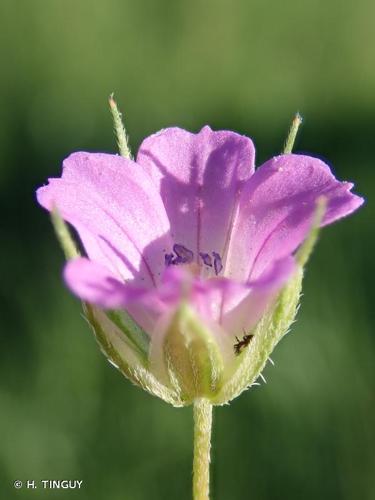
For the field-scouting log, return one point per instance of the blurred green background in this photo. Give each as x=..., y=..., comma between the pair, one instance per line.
x=65, y=413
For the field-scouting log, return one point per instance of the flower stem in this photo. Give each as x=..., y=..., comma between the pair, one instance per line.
x=202, y=446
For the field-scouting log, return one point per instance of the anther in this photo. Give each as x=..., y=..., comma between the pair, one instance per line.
x=184, y=255
x=181, y=255
x=218, y=265
x=168, y=259
x=207, y=259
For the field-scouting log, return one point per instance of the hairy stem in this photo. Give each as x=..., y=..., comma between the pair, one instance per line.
x=202, y=446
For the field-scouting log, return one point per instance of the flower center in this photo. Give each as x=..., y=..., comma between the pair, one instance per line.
x=183, y=255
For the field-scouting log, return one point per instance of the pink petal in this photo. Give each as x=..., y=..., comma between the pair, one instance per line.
x=276, y=208
x=95, y=284
x=226, y=307
x=117, y=212
x=262, y=293
x=223, y=304
x=237, y=307
x=199, y=177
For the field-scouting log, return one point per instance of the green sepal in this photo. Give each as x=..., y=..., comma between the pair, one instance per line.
x=135, y=335
x=192, y=357
x=274, y=324
x=289, y=143
x=268, y=332
x=119, y=351
x=63, y=235
x=119, y=129
x=304, y=252
x=124, y=343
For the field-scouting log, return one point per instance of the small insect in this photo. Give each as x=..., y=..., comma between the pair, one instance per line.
x=241, y=344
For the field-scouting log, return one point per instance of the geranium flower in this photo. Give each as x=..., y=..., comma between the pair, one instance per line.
x=194, y=259
x=188, y=248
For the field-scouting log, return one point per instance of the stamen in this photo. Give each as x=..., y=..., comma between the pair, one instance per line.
x=184, y=255
x=181, y=255
x=218, y=265
x=207, y=259
x=168, y=259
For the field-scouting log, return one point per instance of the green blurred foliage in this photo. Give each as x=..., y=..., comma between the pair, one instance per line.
x=247, y=66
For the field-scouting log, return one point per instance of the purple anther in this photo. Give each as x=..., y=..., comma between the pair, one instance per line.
x=184, y=255
x=218, y=265
x=168, y=259
x=207, y=259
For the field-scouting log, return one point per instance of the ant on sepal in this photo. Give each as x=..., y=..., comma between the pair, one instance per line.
x=241, y=344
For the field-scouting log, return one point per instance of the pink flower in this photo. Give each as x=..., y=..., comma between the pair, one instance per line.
x=191, y=247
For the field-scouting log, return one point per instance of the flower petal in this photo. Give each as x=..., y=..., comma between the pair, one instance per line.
x=95, y=284
x=260, y=296
x=117, y=212
x=235, y=306
x=226, y=308
x=199, y=177
x=276, y=209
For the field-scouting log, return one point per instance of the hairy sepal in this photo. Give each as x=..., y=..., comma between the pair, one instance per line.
x=121, y=353
x=191, y=356
x=275, y=323
x=268, y=332
x=135, y=335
